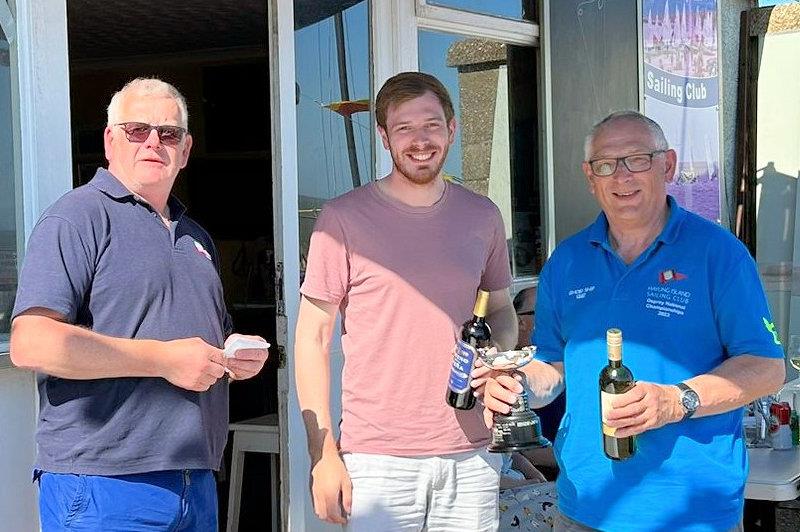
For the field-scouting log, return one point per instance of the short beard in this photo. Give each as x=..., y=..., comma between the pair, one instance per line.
x=422, y=177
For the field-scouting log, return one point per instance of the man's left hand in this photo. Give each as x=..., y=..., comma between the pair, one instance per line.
x=248, y=362
x=645, y=407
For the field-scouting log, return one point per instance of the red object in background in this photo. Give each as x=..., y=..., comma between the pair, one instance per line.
x=782, y=412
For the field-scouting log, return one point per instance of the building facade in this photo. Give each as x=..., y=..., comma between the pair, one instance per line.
x=279, y=95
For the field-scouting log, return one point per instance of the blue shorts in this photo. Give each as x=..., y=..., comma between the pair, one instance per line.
x=158, y=501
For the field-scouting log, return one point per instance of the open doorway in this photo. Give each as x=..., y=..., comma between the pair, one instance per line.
x=216, y=54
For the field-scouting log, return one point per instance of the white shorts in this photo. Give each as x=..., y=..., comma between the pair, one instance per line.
x=454, y=492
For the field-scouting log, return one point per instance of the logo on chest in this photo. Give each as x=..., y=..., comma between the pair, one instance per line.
x=201, y=250
x=581, y=293
x=669, y=298
x=670, y=275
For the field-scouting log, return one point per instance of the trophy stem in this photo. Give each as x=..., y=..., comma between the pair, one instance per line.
x=519, y=429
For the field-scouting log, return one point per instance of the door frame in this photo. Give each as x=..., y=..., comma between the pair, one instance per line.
x=43, y=170
x=280, y=24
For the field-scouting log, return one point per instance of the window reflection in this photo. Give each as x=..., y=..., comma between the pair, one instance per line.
x=8, y=226
x=495, y=153
x=513, y=9
x=334, y=133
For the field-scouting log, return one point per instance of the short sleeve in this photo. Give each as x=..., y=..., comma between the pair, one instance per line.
x=547, y=335
x=742, y=314
x=327, y=267
x=497, y=274
x=57, y=271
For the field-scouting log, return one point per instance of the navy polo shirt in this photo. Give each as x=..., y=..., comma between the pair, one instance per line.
x=103, y=258
x=691, y=300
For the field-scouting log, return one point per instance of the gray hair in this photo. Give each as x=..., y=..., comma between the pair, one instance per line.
x=147, y=87
x=656, y=132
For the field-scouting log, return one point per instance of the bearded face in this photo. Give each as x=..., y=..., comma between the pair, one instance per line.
x=418, y=137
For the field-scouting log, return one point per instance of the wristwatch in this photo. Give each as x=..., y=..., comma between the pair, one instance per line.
x=689, y=400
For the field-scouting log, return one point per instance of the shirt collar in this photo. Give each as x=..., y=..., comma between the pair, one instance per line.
x=106, y=183
x=112, y=187
x=598, y=231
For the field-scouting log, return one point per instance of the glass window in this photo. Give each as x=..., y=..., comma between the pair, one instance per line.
x=513, y=9
x=495, y=153
x=334, y=132
x=8, y=207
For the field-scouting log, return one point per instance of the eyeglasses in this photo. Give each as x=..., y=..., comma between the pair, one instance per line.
x=638, y=162
x=139, y=132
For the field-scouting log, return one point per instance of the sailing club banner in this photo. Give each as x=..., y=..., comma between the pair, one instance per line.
x=681, y=93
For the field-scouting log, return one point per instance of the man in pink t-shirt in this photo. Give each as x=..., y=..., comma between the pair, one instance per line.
x=401, y=260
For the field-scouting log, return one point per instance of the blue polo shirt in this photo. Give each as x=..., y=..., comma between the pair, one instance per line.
x=689, y=302
x=104, y=259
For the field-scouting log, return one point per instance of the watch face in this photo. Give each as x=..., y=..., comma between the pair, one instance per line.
x=690, y=400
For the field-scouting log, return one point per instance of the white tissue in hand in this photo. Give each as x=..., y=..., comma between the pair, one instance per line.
x=244, y=343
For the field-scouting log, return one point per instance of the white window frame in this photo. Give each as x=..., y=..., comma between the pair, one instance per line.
x=8, y=25
x=548, y=199
x=45, y=151
x=483, y=26
x=42, y=134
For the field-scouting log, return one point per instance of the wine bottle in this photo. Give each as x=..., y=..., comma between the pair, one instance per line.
x=475, y=334
x=615, y=379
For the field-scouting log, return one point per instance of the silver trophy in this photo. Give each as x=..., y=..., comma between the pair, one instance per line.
x=520, y=428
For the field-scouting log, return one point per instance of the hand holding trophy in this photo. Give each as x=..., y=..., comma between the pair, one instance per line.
x=520, y=428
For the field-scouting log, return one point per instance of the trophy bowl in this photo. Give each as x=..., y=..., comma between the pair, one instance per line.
x=520, y=428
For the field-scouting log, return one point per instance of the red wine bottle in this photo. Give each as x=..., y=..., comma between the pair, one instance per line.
x=475, y=334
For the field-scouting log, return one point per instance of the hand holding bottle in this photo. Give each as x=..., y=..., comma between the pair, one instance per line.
x=644, y=407
x=475, y=334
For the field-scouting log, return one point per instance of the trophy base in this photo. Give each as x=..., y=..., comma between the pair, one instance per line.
x=510, y=448
x=517, y=431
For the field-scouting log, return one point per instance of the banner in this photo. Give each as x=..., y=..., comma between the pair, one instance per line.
x=681, y=93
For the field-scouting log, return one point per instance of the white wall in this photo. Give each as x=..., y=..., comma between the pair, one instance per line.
x=778, y=161
x=18, y=502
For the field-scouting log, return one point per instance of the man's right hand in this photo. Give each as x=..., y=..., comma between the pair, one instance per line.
x=331, y=489
x=192, y=364
x=498, y=390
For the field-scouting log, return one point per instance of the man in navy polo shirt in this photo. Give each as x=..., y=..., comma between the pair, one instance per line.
x=120, y=312
x=698, y=338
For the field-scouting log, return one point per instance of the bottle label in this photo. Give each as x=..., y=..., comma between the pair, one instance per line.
x=463, y=361
x=605, y=406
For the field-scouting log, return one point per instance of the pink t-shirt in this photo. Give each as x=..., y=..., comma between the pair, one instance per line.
x=405, y=279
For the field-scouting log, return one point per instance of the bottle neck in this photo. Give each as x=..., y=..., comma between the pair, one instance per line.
x=614, y=363
x=481, y=304
x=478, y=319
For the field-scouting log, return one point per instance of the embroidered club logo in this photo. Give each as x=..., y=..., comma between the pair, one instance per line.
x=201, y=250
x=770, y=326
x=670, y=275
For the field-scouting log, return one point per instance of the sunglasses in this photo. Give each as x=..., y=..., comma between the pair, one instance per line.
x=139, y=132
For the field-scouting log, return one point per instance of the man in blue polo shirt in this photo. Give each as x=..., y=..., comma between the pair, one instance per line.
x=120, y=312
x=698, y=338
